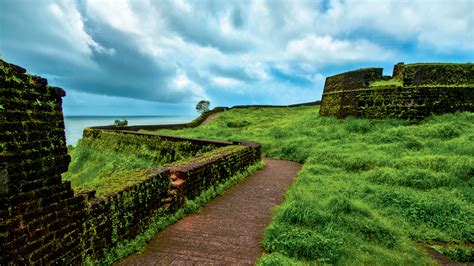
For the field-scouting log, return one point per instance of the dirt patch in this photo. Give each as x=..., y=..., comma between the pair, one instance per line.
x=440, y=258
x=229, y=229
x=209, y=119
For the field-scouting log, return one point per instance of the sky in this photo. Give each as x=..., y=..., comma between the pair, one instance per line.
x=144, y=57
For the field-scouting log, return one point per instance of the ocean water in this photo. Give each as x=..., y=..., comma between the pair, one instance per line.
x=76, y=124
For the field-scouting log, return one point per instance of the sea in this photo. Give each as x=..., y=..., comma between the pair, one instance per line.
x=75, y=124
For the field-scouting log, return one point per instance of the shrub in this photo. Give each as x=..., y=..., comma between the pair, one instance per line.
x=121, y=123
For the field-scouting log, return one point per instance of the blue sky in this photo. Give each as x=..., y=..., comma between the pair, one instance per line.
x=143, y=57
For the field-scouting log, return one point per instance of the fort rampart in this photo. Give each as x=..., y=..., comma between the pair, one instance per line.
x=413, y=92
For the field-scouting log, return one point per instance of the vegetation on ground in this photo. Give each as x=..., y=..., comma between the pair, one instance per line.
x=121, y=123
x=369, y=190
x=105, y=184
x=106, y=170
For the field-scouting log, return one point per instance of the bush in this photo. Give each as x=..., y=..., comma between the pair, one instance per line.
x=121, y=123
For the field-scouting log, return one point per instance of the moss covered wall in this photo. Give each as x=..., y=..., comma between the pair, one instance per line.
x=123, y=215
x=35, y=205
x=42, y=220
x=424, y=89
x=342, y=82
x=194, y=175
x=435, y=74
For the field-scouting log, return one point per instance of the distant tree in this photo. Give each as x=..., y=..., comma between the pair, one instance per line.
x=121, y=123
x=203, y=106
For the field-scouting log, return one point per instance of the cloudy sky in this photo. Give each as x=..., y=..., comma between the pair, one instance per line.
x=145, y=57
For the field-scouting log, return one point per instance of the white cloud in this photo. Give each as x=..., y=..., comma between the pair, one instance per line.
x=440, y=24
x=226, y=82
x=257, y=70
x=71, y=19
x=117, y=13
x=225, y=24
x=183, y=4
x=326, y=50
x=188, y=88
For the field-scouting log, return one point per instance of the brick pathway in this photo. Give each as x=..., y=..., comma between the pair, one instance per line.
x=229, y=229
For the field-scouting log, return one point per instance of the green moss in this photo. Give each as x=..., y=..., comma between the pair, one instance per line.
x=116, y=182
x=390, y=82
x=208, y=156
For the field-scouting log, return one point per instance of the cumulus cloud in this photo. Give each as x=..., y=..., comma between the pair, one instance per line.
x=326, y=50
x=226, y=82
x=231, y=52
x=440, y=24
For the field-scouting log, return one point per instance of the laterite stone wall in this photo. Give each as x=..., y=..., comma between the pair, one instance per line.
x=424, y=89
x=194, y=175
x=42, y=220
x=35, y=205
x=336, y=85
x=435, y=74
x=124, y=215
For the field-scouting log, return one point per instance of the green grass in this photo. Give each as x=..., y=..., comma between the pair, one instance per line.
x=456, y=253
x=106, y=184
x=368, y=189
x=105, y=170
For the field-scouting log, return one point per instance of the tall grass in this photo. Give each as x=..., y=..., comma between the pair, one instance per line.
x=369, y=190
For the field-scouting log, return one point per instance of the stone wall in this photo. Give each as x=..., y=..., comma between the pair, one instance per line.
x=35, y=205
x=193, y=175
x=339, y=84
x=414, y=92
x=42, y=220
x=124, y=215
x=435, y=74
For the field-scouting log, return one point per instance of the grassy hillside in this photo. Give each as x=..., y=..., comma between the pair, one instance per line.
x=369, y=191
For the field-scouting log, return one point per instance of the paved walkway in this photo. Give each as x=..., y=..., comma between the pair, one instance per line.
x=229, y=229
